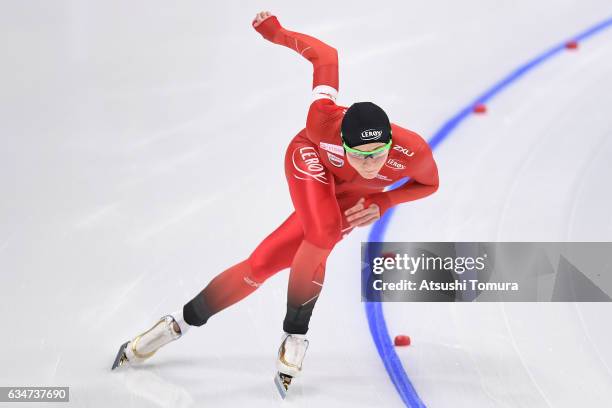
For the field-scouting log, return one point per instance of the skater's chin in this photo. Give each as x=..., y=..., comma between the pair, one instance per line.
x=369, y=174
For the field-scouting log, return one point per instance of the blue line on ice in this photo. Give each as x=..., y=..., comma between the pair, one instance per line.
x=374, y=312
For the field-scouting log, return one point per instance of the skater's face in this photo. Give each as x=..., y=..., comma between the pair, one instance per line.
x=368, y=166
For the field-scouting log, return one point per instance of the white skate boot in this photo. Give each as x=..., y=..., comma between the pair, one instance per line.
x=143, y=346
x=289, y=362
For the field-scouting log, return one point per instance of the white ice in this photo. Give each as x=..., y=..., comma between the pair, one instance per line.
x=122, y=125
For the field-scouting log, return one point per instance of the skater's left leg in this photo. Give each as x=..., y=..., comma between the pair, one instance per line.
x=305, y=284
x=312, y=191
x=308, y=266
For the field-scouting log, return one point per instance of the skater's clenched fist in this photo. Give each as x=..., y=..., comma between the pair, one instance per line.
x=360, y=216
x=260, y=17
x=270, y=29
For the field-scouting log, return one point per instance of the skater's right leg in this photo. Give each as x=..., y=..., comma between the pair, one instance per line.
x=272, y=255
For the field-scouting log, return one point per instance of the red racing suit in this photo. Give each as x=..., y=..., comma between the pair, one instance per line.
x=322, y=185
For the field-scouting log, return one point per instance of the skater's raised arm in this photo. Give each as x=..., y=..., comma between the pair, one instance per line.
x=323, y=57
x=423, y=174
x=323, y=112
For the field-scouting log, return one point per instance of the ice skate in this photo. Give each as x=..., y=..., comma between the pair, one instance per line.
x=289, y=363
x=143, y=346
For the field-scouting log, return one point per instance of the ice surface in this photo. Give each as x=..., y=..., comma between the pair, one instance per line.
x=123, y=128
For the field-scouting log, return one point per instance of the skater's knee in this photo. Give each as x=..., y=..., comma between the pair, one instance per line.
x=262, y=266
x=326, y=233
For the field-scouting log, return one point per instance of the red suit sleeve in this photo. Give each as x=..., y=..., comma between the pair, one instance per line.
x=323, y=113
x=423, y=174
x=324, y=58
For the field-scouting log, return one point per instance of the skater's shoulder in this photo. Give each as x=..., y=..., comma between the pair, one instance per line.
x=327, y=107
x=407, y=137
x=324, y=120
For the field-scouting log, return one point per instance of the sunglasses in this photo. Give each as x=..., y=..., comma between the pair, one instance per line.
x=373, y=154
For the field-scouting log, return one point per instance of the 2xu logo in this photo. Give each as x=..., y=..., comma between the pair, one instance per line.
x=402, y=149
x=308, y=164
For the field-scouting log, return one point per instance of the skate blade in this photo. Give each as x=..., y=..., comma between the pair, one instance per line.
x=120, y=359
x=282, y=381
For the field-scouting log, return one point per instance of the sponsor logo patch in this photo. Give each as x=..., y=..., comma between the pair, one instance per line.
x=335, y=160
x=395, y=164
x=371, y=134
x=251, y=282
x=306, y=162
x=335, y=149
x=380, y=176
x=404, y=150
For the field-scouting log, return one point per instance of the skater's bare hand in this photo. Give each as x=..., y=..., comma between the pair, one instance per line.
x=260, y=17
x=360, y=216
